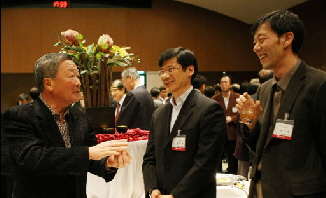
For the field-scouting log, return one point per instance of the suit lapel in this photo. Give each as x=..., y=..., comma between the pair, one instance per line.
x=231, y=101
x=184, y=114
x=223, y=103
x=47, y=124
x=290, y=95
x=76, y=135
x=165, y=124
x=266, y=99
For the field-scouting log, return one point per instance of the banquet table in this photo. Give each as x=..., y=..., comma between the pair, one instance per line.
x=232, y=191
x=231, y=186
x=127, y=183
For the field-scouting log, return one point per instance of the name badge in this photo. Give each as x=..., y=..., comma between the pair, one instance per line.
x=283, y=128
x=179, y=142
x=234, y=109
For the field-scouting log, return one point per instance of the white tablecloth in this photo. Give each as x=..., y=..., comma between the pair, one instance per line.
x=127, y=183
x=230, y=191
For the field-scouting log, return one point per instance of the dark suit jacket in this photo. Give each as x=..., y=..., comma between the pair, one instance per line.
x=231, y=126
x=188, y=174
x=42, y=166
x=297, y=166
x=137, y=109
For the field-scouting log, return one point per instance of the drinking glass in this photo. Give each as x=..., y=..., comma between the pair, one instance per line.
x=247, y=112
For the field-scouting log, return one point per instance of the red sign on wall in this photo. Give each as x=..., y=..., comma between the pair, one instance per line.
x=60, y=4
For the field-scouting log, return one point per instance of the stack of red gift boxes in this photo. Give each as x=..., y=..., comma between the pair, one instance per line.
x=132, y=135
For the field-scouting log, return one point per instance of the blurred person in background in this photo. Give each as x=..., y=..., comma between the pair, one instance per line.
x=227, y=99
x=155, y=92
x=118, y=92
x=209, y=91
x=34, y=93
x=199, y=83
x=163, y=94
x=22, y=99
x=264, y=75
x=138, y=105
x=217, y=88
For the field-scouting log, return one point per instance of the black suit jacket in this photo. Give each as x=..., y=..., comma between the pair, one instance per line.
x=297, y=166
x=137, y=109
x=190, y=173
x=42, y=166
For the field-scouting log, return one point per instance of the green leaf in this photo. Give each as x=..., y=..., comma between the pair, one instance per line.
x=77, y=49
x=105, y=46
x=99, y=55
x=90, y=49
x=120, y=63
x=58, y=43
x=112, y=64
x=59, y=36
x=80, y=37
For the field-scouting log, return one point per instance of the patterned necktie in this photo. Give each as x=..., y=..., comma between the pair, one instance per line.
x=118, y=112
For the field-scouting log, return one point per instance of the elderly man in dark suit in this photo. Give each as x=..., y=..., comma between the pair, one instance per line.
x=138, y=106
x=287, y=130
x=186, y=137
x=51, y=143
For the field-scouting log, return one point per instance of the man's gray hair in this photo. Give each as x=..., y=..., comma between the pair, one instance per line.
x=47, y=67
x=130, y=71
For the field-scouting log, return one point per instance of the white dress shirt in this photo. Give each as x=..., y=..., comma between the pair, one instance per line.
x=177, y=104
x=120, y=102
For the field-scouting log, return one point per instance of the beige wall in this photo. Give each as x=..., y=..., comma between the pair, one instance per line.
x=219, y=42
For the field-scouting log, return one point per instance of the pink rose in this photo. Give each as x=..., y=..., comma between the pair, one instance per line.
x=105, y=42
x=69, y=37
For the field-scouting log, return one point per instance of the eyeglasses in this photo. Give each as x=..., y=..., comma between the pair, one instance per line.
x=169, y=70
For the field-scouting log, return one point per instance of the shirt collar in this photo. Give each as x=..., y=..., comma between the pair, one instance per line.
x=283, y=82
x=122, y=99
x=55, y=115
x=137, y=86
x=182, y=98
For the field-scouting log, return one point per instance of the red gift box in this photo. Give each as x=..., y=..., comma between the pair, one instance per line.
x=131, y=135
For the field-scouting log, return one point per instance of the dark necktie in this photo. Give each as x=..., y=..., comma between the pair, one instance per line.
x=276, y=101
x=118, y=112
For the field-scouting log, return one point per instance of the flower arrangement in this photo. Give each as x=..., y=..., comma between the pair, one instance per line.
x=95, y=64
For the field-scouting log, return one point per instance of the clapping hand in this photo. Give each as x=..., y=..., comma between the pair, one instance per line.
x=119, y=161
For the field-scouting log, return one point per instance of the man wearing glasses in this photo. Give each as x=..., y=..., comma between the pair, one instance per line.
x=186, y=137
